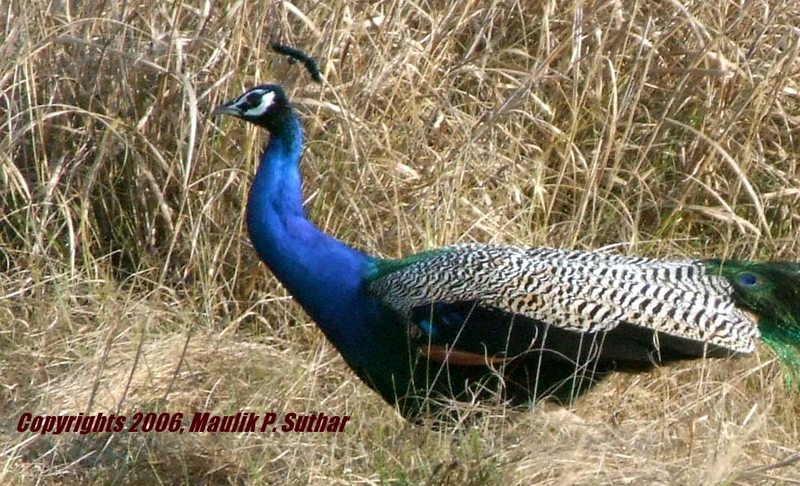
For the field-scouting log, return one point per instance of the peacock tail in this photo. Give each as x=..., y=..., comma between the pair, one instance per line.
x=482, y=321
x=771, y=291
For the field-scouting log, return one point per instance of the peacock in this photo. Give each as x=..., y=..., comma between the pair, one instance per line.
x=473, y=321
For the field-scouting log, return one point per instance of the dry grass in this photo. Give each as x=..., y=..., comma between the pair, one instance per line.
x=662, y=128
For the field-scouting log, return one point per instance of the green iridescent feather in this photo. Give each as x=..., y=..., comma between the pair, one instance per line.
x=771, y=290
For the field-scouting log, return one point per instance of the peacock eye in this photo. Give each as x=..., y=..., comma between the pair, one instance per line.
x=253, y=100
x=748, y=279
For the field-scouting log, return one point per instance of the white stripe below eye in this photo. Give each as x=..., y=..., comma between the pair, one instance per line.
x=267, y=97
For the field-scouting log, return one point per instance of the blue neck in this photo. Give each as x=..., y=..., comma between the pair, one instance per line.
x=324, y=275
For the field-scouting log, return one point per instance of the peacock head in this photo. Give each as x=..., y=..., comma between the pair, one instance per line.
x=264, y=105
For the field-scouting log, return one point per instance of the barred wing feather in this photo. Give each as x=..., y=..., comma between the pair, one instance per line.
x=585, y=292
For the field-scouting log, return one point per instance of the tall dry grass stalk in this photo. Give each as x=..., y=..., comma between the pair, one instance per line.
x=657, y=128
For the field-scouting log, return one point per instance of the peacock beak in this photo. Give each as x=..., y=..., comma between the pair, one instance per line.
x=226, y=109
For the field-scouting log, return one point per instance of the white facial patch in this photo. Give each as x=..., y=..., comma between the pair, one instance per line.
x=264, y=102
